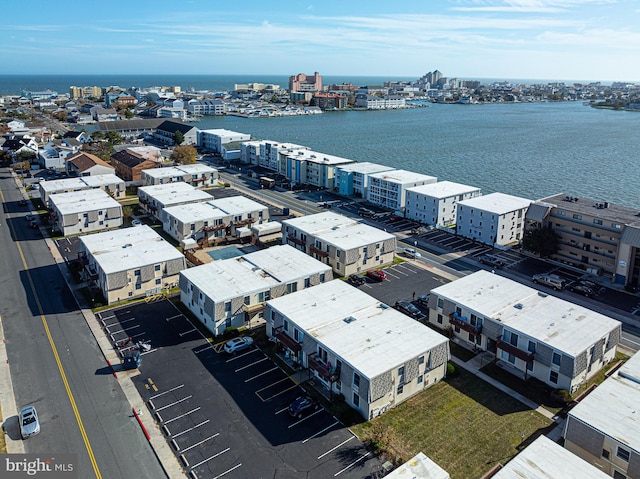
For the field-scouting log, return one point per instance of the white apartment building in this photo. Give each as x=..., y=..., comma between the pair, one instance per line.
x=111, y=184
x=130, y=263
x=389, y=188
x=214, y=220
x=531, y=333
x=347, y=245
x=250, y=152
x=603, y=428
x=353, y=179
x=495, y=219
x=372, y=102
x=233, y=292
x=214, y=139
x=273, y=153
x=206, y=107
x=435, y=204
x=199, y=175
x=545, y=459
x=310, y=167
x=84, y=211
x=154, y=199
x=373, y=355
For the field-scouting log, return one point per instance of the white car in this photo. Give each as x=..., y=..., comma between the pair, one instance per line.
x=237, y=344
x=411, y=253
x=29, y=424
x=136, y=222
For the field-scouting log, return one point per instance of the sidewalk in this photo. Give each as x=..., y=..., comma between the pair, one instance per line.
x=474, y=365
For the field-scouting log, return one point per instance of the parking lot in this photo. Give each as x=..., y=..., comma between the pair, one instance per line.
x=227, y=415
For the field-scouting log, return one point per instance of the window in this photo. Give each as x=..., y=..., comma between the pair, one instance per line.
x=227, y=307
x=597, y=222
x=553, y=377
x=356, y=381
x=136, y=272
x=530, y=366
x=158, y=281
x=401, y=374
x=421, y=360
x=605, y=453
x=356, y=400
x=307, y=282
x=292, y=287
x=322, y=277
x=261, y=297
x=561, y=213
x=420, y=379
x=440, y=303
x=531, y=347
x=577, y=217
x=156, y=267
x=556, y=359
x=247, y=300
x=298, y=335
x=439, y=319
x=285, y=325
x=618, y=475
x=138, y=285
x=400, y=389
x=623, y=454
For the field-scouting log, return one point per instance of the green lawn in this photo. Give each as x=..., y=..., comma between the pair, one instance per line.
x=463, y=424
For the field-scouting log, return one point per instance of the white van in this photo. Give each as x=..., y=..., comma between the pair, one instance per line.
x=551, y=280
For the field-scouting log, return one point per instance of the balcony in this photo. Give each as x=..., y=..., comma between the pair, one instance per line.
x=518, y=353
x=253, y=308
x=288, y=341
x=318, y=251
x=325, y=371
x=461, y=322
x=214, y=228
x=245, y=222
x=295, y=240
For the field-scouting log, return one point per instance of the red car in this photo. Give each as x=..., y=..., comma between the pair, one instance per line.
x=377, y=274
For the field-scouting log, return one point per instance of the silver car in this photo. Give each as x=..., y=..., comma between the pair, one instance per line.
x=29, y=424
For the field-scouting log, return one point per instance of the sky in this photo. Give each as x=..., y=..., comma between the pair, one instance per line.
x=582, y=40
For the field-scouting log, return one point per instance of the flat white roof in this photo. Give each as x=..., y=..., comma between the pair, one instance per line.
x=498, y=203
x=418, y=467
x=237, y=205
x=564, y=326
x=175, y=193
x=96, y=181
x=403, y=177
x=315, y=224
x=253, y=272
x=82, y=201
x=194, y=212
x=286, y=146
x=79, y=182
x=612, y=408
x=443, y=189
x=544, y=459
x=222, y=132
x=128, y=248
x=365, y=167
x=267, y=227
x=316, y=157
x=375, y=338
x=179, y=170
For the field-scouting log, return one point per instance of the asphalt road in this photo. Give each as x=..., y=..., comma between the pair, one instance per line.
x=55, y=363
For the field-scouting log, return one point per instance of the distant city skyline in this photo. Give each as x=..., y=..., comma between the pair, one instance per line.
x=585, y=40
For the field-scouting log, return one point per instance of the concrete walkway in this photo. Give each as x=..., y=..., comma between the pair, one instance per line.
x=475, y=364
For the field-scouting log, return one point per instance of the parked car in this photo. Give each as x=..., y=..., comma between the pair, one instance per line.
x=356, y=280
x=377, y=274
x=423, y=299
x=408, y=308
x=582, y=289
x=490, y=260
x=29, y=424
x=237, y=344
x=366, y=212
x=303, y=405
x=136, y=222
x=551, y=280
x=411, y=253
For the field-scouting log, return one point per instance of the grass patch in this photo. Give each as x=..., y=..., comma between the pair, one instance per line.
x=464, y=424
x=461, y=352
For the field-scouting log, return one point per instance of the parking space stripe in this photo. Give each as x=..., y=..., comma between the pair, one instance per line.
x=266, y=358
x=174, y=403
x=187, y=332
x=201, y=442
x=124, y=330
x=261, y=374
x=206, y=348
x=333, y=449
x=352, y=464
x=396, y=277
x=397, y=270
x=320, y=432
x=282, y=410
x=241, y=355
x=182, y=415
x=305, y=418
x=227, y=471
x=212, y=457
x=166, y=392
x=173, y=317
x=190, y=429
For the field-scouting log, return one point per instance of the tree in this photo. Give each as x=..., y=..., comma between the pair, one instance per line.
x=542, y=241
x=128, y=114
x=26, y=156
x=184, y=155
x=113, y=137
x=178, y=137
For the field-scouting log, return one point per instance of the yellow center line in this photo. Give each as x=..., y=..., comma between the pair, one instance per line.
x=72, y=400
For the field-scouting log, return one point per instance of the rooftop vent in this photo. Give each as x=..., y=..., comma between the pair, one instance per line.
x=519, y=306
x=349, y=319
x=542, y=294
x=128, y=245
